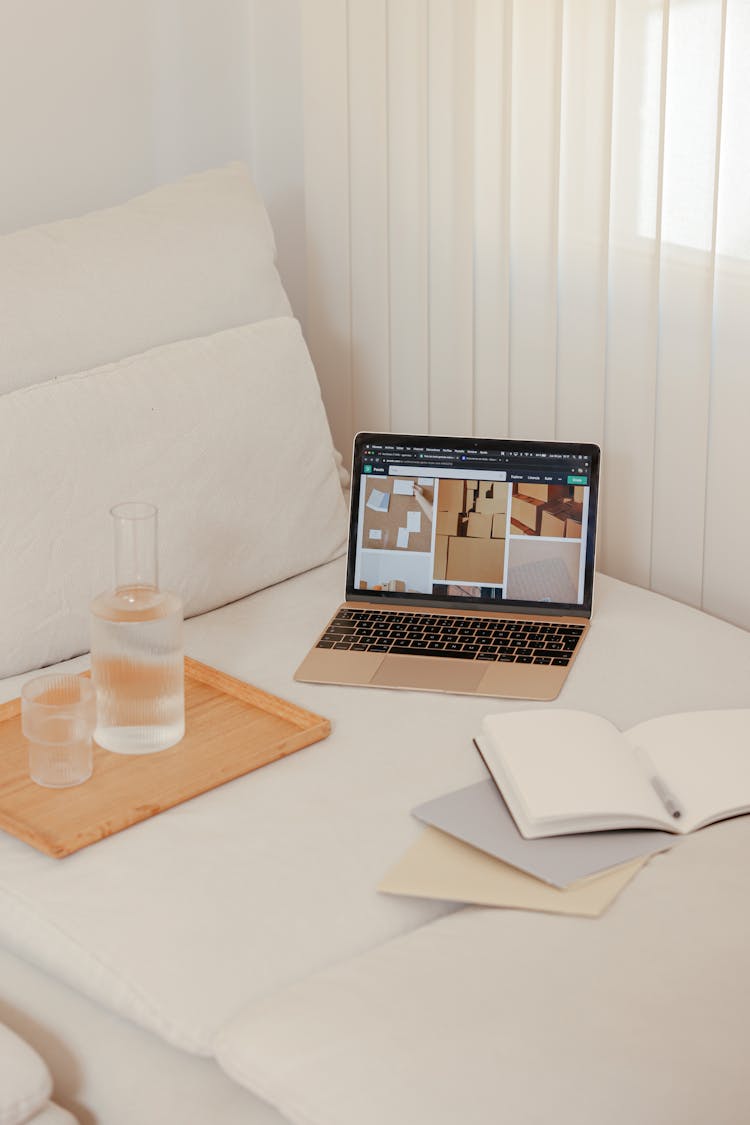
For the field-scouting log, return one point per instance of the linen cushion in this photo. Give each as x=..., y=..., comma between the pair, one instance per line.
x=184, y=260
x=120, y=1074
x=25, y=1081
x=226, y=434
x=513, y=1018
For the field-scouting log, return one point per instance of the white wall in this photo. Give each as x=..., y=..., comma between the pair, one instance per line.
x=275, y=66
x=102, y=99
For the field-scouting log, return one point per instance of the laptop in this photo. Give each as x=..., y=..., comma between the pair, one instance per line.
x=470, y=567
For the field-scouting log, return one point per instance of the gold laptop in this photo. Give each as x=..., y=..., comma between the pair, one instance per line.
x=470, y=566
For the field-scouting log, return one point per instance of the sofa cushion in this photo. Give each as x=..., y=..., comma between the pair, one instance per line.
x=184, y=260
x=226, y=434
x=25, y=1081
x=110, y=1070
x=513, y=1018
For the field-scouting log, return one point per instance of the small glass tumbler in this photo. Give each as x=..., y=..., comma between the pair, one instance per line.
x=58, y=716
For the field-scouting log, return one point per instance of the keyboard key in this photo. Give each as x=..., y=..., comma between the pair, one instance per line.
x=342, y=644
x=438, y=652
x=561, y=660
x=324, y=644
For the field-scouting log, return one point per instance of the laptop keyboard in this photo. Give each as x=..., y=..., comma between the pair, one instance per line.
x=464, y=638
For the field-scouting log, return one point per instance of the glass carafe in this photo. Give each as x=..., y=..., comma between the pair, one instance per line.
x=137, y=659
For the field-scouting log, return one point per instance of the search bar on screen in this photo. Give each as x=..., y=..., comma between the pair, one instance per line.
x=476, y=473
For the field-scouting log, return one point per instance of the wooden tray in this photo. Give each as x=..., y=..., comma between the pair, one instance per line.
x=231, y=728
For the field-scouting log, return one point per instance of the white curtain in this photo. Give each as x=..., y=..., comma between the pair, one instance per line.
x=532, y=218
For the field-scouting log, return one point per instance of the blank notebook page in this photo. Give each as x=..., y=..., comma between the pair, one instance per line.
x=568, y=764
x=703, y=756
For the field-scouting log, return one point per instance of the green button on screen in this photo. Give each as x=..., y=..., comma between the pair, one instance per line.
x=578, y=480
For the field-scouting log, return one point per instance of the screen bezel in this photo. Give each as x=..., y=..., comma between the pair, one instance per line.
x=577, y=609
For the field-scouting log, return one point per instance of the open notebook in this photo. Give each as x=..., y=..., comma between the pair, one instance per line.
x=470, y=567
x=565, y=771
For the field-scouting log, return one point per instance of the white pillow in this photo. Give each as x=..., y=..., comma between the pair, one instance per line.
x=185, y=260
x=226, y=434
x=25, y=1081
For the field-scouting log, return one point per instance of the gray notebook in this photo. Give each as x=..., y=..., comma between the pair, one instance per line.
x=479, y=816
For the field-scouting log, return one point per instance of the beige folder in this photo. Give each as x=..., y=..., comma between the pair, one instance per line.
x=440, y=866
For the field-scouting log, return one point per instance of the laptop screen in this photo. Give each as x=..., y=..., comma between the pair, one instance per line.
x=473, y=521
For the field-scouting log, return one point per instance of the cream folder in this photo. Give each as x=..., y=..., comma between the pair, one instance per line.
x=440, y=866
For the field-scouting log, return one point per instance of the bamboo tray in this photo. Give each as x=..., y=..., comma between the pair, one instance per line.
x=231, y=728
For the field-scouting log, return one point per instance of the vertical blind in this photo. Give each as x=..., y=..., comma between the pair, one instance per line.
x=531, y=218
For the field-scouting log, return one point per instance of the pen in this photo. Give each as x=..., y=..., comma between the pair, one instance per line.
x=665, y=796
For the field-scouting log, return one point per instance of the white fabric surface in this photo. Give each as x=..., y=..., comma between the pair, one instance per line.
x=25, y=1081
x=52, y=1114
x=226, y=434
x=181, y=921
x=515, y=1018
x=187, y=259
x=107, y=1071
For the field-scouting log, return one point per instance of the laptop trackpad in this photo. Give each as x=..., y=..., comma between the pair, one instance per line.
x=429, y=673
